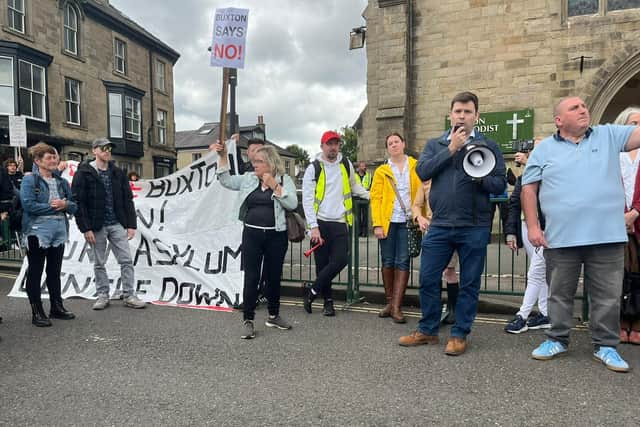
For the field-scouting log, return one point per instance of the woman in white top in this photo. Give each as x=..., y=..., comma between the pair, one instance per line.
x=630, y=327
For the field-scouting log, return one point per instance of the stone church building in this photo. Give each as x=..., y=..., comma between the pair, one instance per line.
x=519, y=56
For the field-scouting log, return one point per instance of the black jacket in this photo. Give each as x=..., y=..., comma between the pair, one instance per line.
x=89, y=193
x=455, y=199
x=513, y=224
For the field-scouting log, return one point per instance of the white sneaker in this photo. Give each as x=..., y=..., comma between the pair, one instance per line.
x=134, y=302
x=101, y=303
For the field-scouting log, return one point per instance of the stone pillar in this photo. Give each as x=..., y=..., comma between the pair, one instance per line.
x=386, y=76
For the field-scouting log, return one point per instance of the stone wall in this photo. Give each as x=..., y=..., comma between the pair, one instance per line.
x=513, y=54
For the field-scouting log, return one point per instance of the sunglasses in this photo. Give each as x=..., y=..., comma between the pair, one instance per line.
x=106, y=148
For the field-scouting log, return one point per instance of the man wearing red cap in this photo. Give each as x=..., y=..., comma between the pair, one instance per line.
x=327, y=189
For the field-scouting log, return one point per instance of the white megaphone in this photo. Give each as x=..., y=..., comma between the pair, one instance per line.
x=479, y=160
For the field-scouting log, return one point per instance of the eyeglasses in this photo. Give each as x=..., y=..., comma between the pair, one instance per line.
x=106, y=148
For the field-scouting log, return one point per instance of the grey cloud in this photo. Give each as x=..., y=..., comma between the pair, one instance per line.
x=298, y=71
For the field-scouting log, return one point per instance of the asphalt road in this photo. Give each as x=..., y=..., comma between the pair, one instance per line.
x=169, y=366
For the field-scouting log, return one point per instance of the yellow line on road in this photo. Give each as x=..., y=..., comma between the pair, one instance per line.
x=414, y=314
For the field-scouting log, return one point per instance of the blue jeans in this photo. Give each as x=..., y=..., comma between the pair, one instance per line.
x=394, y=249
x=437, y=247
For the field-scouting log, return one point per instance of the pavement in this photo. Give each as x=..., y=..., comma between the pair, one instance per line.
x=174, y=366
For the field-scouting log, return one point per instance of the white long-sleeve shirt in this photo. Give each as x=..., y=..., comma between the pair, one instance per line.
x=332, y=206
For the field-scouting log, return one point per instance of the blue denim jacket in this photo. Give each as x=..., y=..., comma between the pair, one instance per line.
x=249, y=181
x=34, y=196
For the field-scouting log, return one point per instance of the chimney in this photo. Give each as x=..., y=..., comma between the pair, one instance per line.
x=261, y=125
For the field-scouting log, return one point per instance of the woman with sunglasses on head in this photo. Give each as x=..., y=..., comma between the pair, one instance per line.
x=46, y=200
x=265, y=193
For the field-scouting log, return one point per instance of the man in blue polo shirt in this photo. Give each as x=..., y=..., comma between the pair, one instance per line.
x=576, y=174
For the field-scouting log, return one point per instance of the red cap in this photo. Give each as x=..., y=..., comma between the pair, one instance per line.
x=329, y=135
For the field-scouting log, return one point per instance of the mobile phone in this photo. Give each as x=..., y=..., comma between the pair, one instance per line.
x=455, y=128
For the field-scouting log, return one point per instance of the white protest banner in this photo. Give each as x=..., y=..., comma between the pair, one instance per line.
x=187, y=247
x=17, y=131
x=229, y=37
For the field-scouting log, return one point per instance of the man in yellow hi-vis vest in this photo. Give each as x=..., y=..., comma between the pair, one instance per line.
x=327, y=189
x=364, y=176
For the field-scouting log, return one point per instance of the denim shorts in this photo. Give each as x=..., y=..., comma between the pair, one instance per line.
x=50, y=231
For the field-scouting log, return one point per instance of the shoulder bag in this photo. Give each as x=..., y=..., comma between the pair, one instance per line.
x=414, y=234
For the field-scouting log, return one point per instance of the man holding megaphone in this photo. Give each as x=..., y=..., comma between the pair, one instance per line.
x=464, y=168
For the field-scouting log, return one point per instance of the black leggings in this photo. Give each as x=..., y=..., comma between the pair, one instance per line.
x=37, y=256
x=266, y=249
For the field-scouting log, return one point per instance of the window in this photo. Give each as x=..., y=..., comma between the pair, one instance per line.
x=195, y=156
x=287, y=166
x=7, y=105
x=70, y=29
x=592, y=7
x=582, y=7
x=132, y=118
x=160, y=80
x=120, y=56
x=125, y=115
x=16, y=15
x=115, y=115
x=72, y=101
x=31, y=96
x=162, y=127
x=623, y=4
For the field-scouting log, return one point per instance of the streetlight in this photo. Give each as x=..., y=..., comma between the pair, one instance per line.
x=357, y=37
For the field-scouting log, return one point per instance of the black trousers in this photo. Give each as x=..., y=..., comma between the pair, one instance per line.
x=331, y=257
x=363, y=220
x=37, y=256
x=266, y=249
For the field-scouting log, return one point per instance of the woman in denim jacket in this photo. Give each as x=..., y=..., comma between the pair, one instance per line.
x=46, y=200
x=265, y=193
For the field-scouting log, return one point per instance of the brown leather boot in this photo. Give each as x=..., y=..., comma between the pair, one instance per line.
x=387, y=281
x=399, y=288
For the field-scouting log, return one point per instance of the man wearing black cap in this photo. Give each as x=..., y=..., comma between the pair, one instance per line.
x=327, y=189
x=106, y=213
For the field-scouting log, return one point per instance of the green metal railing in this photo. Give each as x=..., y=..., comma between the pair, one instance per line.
x=9, y=248
x=505, y=272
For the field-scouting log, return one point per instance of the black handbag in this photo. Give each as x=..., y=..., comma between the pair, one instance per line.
x=414, y=234
x=630, y=300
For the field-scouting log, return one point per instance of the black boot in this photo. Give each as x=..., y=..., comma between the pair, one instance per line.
x=308, y=296
x=452, y=298
x=328, y=309
x=59, y=312
x=38, y=317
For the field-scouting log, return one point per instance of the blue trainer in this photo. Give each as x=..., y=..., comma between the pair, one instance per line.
x=539, y=321
x=548, y=350
x=517, y=325
x=611, y=359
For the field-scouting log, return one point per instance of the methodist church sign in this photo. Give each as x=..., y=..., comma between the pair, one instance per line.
x=504, y=127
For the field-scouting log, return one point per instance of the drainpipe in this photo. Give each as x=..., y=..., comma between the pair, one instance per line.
x=409, y=108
